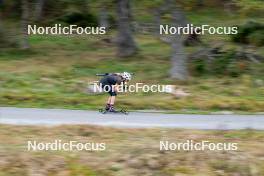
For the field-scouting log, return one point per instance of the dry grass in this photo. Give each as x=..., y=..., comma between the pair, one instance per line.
x=129, y=152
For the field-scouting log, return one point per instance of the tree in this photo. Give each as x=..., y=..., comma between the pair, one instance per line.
x=178, y=59
x=125, y=41
x=24, y=23
x=4, y=38
x=104, y=17
x=39, y=9
x=200, y=3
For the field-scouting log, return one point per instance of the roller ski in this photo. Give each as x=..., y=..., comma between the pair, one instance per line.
x=122, y=111
x=111, y=110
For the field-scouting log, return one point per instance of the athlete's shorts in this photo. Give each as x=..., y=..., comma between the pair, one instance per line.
x=109, y=89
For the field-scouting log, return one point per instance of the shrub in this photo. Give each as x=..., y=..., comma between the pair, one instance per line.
x=220, y=64
x=227, y=64
x=80, y=19
x=198, y=67
x=7, y=40
x=246, y=31
x=257, y=38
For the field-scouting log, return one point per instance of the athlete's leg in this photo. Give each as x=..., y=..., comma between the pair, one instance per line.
x=112, y=100
x=109, y=100
x=107, y=106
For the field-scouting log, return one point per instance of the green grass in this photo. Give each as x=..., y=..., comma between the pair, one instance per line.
x=55, y=72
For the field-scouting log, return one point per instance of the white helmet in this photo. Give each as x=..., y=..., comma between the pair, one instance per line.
x=127, y=76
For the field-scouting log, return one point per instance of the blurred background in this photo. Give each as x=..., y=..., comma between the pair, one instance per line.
x=220, y=73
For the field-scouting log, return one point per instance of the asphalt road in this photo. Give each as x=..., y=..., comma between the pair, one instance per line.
x=50, y=117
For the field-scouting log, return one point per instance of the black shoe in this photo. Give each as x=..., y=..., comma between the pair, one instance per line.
x=107, y=107
x=112, y=109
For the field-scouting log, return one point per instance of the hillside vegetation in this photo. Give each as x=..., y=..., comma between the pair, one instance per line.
x=55, y=71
